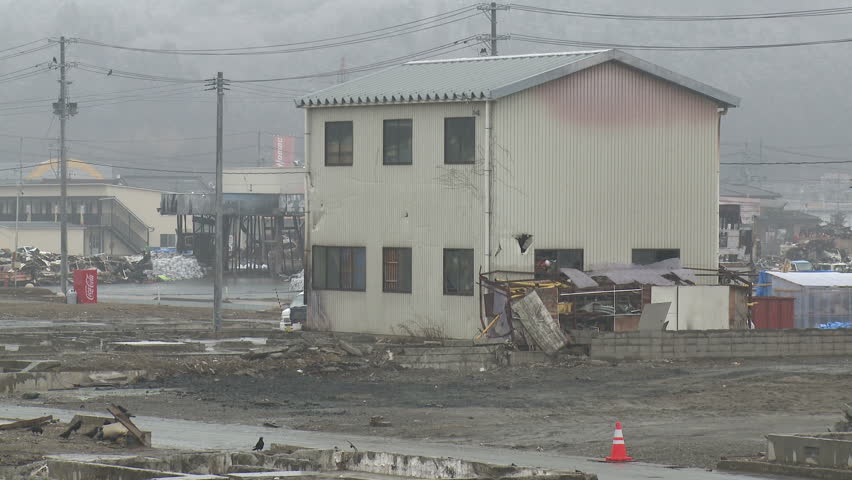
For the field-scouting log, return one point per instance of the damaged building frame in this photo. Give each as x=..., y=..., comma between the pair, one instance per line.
x=265, y=232
x=424, y=175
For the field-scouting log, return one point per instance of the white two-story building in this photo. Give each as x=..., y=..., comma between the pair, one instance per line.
x=425, y=175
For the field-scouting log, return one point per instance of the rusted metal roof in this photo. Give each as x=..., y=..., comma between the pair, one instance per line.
x=485, y=78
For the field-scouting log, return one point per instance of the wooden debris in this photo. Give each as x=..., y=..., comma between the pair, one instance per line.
x=34, y=422
x=131, y=427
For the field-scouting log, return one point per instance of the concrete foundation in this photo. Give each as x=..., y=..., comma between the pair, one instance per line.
x=823, y=450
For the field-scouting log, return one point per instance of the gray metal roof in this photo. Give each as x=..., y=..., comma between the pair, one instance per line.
x=486, y=78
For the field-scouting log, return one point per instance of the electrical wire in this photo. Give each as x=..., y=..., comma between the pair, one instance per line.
x=600, y=45
x=106, y=71
x=432, y=52
x=688, y=18
x=351, y=39
x=24, y=45
x=25, y=52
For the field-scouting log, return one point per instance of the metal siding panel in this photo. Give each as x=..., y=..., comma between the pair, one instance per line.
x=427, y=206
x=607, y=160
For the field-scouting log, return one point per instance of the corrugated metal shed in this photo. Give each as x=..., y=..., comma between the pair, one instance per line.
x=816, y=279
x=481, y=78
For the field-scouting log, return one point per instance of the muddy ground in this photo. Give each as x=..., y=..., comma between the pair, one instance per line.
x=678, y=413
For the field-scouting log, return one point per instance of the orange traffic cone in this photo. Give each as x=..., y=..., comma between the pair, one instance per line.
x=619, y=450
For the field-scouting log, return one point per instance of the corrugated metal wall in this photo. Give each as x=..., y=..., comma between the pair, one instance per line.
x=606, y=160
x=427, y=206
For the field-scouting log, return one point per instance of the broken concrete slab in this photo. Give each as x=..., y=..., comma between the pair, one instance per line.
x=33, y=422
x=350, y=349
x=41, y=381
x=156, y=346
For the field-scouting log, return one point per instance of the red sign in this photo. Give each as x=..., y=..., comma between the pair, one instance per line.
x=86, y=285
x=284, y=151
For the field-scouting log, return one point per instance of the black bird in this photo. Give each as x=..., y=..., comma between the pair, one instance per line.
x=258, y=446
x=54, y=60
x=109, y=72
x=352, y=446
x=73, y=428
x=37, y=430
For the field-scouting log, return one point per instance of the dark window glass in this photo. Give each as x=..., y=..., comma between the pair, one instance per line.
x=397, y=142
x=168, y=240
x=338, y=143
x=339, y=268
x=396, y=270
x=647, y=256
x=459, y=140
x=549, y=262
x=458, y=271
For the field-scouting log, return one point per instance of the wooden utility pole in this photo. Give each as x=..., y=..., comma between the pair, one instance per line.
x=219, y=240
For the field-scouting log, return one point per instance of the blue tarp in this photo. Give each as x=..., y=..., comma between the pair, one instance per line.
x=835, y=325
x=763, y=279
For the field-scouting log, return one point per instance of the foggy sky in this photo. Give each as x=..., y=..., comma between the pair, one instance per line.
x=791, y=97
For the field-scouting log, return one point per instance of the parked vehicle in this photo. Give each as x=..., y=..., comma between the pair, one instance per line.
x=832, y=267
x=295, y=314
x=801, y=266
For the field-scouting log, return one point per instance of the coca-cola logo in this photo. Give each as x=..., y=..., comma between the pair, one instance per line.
x=90, y=286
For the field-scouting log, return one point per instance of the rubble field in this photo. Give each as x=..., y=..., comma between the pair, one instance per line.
x=674, y=413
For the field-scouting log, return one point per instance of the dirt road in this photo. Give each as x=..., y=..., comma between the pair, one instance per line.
x=686, y=414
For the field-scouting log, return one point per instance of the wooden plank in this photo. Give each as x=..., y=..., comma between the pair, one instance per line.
x=539, y=323
x=27, y=423
x=131, y=427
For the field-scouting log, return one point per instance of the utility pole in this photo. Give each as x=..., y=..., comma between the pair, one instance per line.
x=219, y=238
x=259, y=160
x=491, y=12
x=18, y=208
x=63, y=168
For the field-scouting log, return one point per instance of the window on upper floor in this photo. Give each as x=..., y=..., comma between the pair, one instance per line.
x=396, y=270
x=548, y=263
x=338, y=144
x=647, y=256
x=458, y=271
x=459, y=140
x=339, y=268
x=397, y=136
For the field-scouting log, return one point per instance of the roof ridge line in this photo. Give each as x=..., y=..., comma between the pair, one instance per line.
x=506, y=57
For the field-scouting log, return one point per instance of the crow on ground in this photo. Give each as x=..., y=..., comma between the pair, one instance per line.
x=258, y=446
x=72, y=429
x=37, y=430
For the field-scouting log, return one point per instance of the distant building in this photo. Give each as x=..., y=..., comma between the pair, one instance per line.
x=425, y=175
x=739, y=205
x=102, y=218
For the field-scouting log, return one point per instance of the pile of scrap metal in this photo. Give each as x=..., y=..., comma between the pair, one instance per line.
x=607, y=298
x=43, y=268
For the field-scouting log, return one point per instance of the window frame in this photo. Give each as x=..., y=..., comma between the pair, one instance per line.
x=326, y=152
x=459, y=293
x=398, y=144
x=400, y=270
x=342, y=254
x=447, y=121
x=168, y=236
x=633, y=254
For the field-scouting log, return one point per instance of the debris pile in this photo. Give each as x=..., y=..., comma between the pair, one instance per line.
x=844, y=425
x=176, y=267
x=43, y=268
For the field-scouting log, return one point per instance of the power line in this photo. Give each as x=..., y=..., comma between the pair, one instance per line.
x=428, y=53
x=688, y=18
x=351, y=39
x=23, y=45
x=26, y=52
x=600, y=45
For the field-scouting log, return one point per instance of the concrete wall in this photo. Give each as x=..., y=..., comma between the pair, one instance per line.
x=45, y=239
x=655, y=345
x=264, y=180
x=832, y=450
x=699, y=307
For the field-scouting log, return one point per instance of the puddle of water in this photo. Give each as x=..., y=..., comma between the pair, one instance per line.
x=94, y=393
x=10, y=347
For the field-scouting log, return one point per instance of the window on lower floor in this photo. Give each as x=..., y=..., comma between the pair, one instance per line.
x=340, y=268
x=397, y=142
x=458, y=271
x=549, y=262
x=168, y=240
x=647, y=256
x=396, y=270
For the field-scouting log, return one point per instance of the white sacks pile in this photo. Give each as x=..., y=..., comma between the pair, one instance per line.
x=177, y=267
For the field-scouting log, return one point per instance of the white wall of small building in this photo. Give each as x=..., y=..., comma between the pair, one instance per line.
x=606, y=160
x=264, y=180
